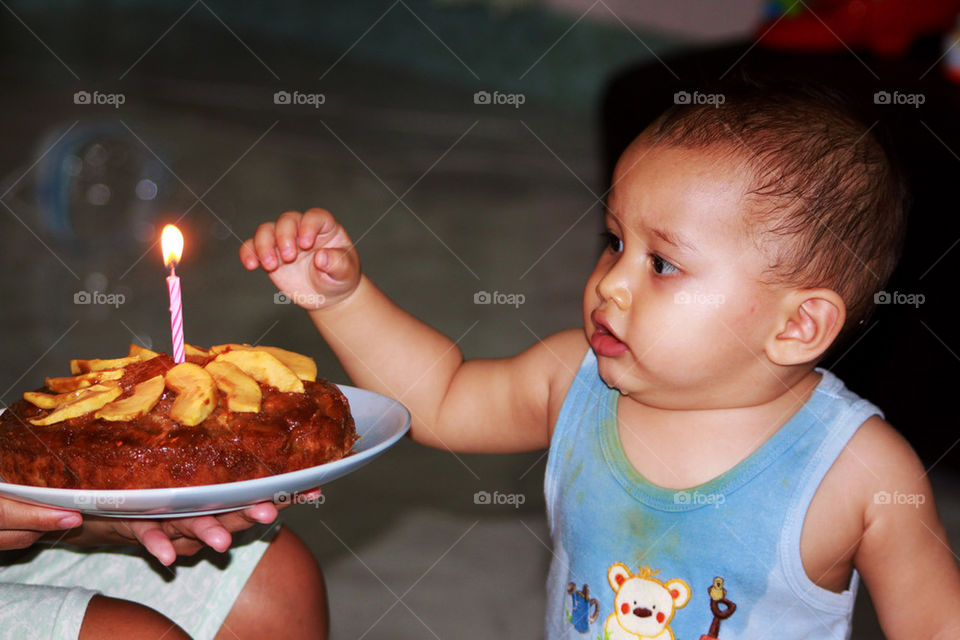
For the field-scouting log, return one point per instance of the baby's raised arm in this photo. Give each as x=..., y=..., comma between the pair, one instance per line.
x=477, y=406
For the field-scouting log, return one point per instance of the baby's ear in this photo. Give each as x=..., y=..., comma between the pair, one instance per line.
x=808, y=323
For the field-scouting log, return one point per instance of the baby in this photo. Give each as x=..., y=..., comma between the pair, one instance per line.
x=705, y=478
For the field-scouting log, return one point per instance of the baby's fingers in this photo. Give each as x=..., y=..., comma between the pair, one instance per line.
x=265, y=245
x=316, y=224
x=248, y=255
x=338, y=264
x=285, y=234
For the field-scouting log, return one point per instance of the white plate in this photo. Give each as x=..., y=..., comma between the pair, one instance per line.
x=380, y=422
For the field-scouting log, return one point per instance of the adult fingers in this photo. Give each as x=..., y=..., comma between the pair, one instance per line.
x=14, y=539
x=20, y=515
x=154, y=540
x=187, y=546
x=206, y=529
x=262, y=513
x=311, y=494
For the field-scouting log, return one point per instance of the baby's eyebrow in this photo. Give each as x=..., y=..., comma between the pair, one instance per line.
x=675, y=239
x=670, y=237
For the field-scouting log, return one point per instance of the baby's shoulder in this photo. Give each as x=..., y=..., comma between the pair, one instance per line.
x=877, y=459
x=876, y=467
x=561, y=354
x=879, y=453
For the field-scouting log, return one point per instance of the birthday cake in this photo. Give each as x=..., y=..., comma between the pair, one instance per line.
x=233, y=412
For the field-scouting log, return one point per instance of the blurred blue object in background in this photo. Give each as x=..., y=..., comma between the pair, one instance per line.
x=95, y=187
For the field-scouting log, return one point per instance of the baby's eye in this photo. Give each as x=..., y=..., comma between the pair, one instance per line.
x=661, y=266
x=612, y=241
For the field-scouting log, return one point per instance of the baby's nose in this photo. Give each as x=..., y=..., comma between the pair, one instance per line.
x=614, y=286
x=621, y=297
x=642, y=612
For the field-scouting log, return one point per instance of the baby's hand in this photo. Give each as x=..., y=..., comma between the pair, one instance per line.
x=308, y=256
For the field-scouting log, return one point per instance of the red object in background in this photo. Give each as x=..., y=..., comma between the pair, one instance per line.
x=886, y=27
x=951, y=56
x=953, y=74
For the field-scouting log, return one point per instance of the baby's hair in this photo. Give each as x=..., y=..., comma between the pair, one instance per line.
x=828, y=204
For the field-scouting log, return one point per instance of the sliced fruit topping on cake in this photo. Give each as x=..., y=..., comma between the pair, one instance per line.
x=86, y=366
x=264, y=368
x=242, y=392
x=145, y=395
x=196, y=393
x=72, y=383
x=142, y=352
x=88, y=400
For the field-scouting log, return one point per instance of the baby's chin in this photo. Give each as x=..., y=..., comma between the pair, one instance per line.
x=615, y=381
x=612, y=385
x=649, y=393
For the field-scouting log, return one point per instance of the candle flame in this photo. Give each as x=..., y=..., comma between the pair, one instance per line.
x=171, y=242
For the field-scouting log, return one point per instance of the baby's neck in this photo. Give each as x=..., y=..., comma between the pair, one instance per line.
x=679, y=449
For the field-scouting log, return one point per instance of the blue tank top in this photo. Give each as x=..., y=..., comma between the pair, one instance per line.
x=720, y=560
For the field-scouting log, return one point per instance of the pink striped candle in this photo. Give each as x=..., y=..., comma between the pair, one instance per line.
x=176, y=315
x=171, y=242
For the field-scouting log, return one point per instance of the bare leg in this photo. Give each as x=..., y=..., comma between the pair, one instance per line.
x=114, y=618
x=285, y=596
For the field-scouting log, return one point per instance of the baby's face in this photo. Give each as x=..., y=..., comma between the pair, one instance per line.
x=675, y=308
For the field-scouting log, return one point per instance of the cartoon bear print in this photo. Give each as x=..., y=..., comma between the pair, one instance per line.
x=643, y=605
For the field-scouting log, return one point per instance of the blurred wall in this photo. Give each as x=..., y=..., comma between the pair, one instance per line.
x=700, y=20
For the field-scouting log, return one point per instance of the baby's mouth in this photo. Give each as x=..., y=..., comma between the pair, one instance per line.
x=603, y=341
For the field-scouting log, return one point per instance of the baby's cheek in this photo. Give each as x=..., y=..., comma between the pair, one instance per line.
x=660, y=616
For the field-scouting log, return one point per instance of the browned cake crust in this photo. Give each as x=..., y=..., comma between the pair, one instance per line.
x=291, y=431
